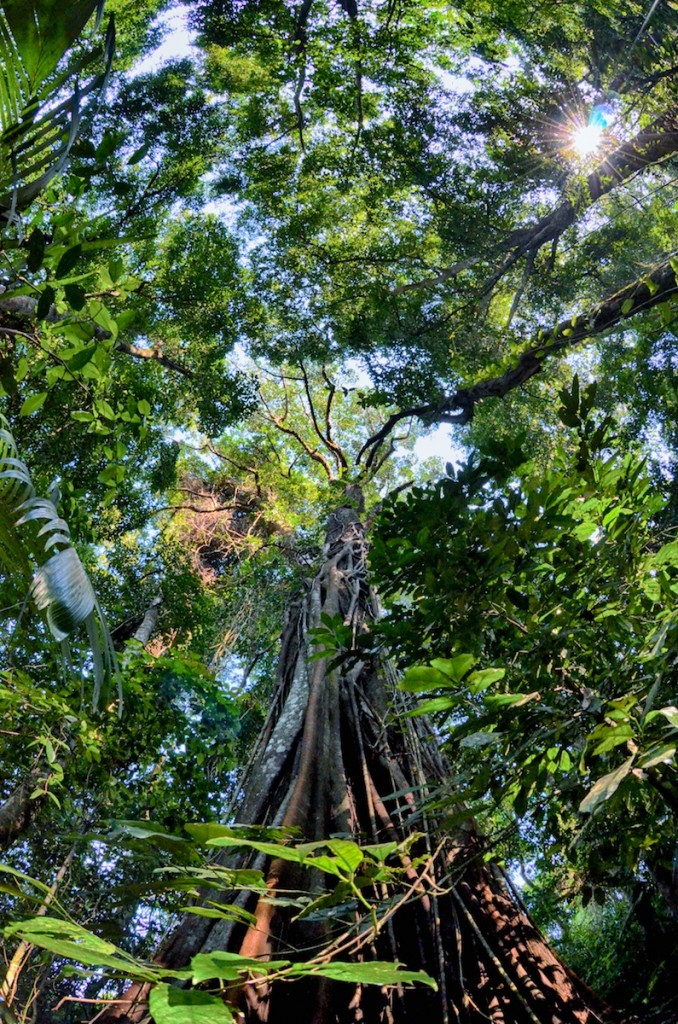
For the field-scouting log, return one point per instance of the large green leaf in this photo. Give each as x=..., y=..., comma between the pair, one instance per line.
x=44, y=29
x=60, y=587
x=39, y=114
x=71, y=940
x=170, y=1005
x=229, y=966
x=605, y=787
x=375, y=973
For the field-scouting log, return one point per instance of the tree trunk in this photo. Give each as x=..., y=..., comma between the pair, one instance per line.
x=332, y=758
x=20, y=809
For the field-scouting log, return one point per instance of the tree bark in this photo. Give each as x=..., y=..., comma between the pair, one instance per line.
x=333, y=759
x=18, y=811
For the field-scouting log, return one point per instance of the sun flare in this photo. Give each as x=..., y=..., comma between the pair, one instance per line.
x=587, y=139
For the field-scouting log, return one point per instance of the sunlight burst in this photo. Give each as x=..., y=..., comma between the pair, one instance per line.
x=586, y=139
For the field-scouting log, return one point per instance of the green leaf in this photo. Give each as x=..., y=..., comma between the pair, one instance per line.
x=324, y=863
x=44, y=30
x=605, y=787
x=670, y=714
x=661, y=754
x=613, y=737
x=75, y=296
x=40, y=886
x=103, y=318
x=435, y=704
x=70, y=940
x=45, y=302
x=348, y=854
x=373, y=973
x=202, y=832
x=227, y=913
x=139, y=154
x=229, y=966
x=584, y=530
x=515, y=700
x=82, y=358
x=479, y=681
x=651, y=588
x=456, y=668
x=146, y=830
x=104, y=409
x=170, y=1005
x=36, y=250
x=68, y=261
x=667, y=554
x=33, y=403
x=115, y=269
x=270, y=849
x=381, y=851
x=480, y=739
x=421, y=678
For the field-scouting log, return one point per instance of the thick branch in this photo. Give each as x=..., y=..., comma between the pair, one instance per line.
x=644, y=293
x=332, y=390
x=444, y=275
x=326, y=438
x=299, y=42
x=156, y=355
x=648, y=148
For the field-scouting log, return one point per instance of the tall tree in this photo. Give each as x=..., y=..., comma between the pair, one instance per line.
x=383, y=210
x=333, y=761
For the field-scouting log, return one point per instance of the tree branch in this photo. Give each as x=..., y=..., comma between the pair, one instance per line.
x=25, y=307
x=648, y=148
x=332, y=390
x=154, y=354
x=642, y=294
x=312, y=453
x=444, y=275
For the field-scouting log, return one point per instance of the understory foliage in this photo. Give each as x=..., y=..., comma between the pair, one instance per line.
x=238, y=287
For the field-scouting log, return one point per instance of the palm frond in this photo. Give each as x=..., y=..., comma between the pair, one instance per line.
x=60, y=587
x=39, y=113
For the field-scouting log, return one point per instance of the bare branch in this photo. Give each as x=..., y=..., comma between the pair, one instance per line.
x=326, y=438
x=301, y=81
x=299, y=41
x=332, y=390
x=311, y=406
x=444, y=275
